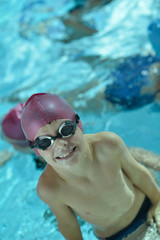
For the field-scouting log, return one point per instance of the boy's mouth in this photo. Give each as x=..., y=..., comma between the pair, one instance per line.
x=67, y=154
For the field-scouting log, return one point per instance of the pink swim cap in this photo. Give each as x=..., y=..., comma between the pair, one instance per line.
x=42, y=108
x=11, y=126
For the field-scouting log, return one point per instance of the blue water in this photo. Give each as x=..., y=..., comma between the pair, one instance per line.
x=41, y=51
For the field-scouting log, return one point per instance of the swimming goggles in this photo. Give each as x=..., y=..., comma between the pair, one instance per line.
x=66, y=130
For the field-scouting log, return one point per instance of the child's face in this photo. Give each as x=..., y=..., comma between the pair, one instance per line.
x=64, y=151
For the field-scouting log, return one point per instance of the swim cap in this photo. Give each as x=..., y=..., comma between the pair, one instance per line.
x=11, y=126
x=42, y=108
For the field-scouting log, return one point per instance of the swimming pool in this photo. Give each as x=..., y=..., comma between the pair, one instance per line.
x=39, y=52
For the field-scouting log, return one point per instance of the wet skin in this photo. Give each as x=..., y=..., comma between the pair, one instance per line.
x=94, y=176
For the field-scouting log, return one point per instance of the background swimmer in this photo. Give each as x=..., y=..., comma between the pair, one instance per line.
x=12, y=133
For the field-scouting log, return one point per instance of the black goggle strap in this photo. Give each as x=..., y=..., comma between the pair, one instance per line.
x=31, y=144
x=77, y=118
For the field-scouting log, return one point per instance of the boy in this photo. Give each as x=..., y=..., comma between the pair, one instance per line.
x=92, y=175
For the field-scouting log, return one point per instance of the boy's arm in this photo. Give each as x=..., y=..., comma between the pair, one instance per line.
x=139, y=175
x=67, y=222
x=66, y=219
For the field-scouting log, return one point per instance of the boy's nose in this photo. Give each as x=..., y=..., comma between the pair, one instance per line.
x=59, y=142
x=59, y=147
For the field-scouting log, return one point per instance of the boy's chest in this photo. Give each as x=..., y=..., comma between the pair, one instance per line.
x=96, y=200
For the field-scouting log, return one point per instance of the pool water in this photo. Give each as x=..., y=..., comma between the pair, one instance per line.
x=71, y=50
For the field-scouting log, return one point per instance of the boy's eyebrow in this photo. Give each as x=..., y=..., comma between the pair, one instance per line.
x=52, y=121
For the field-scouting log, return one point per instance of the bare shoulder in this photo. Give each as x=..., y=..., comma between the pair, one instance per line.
x=106, y=148
x=108, y=139
x=47, y=186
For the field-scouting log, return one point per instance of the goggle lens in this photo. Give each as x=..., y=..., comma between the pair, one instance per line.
x=44, y=143
x=67, y=130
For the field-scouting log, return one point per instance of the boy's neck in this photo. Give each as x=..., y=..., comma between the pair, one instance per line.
x=80, y=170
